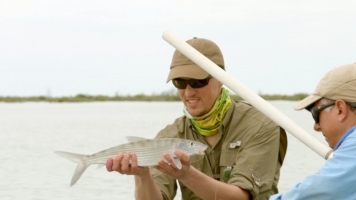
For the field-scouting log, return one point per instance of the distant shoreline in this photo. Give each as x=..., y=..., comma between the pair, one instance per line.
x=138, y=97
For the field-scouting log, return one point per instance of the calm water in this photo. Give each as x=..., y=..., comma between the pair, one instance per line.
x=30, y=132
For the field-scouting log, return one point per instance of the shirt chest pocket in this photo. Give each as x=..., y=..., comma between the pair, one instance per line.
x=226, y=163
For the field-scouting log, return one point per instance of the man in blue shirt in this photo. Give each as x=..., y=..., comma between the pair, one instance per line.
x=333, y=107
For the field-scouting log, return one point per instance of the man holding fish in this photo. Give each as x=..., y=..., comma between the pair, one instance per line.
x=245, y=149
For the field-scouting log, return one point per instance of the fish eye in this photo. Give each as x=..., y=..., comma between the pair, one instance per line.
x=191, y=144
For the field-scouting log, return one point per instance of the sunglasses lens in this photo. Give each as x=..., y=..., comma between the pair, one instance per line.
x=198, y=83
x=194, y=83
x=315, y=113
x=180, y=83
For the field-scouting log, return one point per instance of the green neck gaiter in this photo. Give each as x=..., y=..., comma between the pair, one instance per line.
x=209, y=123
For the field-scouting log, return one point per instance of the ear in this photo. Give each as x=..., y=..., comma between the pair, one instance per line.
x=342, y=109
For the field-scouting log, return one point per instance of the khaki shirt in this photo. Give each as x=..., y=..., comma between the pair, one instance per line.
x=248, y=142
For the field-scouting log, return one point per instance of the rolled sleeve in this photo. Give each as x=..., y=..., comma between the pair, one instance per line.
x=256, y=164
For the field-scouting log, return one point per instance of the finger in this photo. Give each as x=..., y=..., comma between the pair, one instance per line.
x=164, y=166
x=117, y=162
x=183, y=157
x=134, y=163
x=169, y=160
x=109, y=164
x=161, y=167
x=125, y=163
x=135, y=169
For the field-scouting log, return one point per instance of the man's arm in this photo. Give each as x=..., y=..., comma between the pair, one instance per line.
x=208, y=188
x=126, y=163
x=202, y=185
x=146, y=188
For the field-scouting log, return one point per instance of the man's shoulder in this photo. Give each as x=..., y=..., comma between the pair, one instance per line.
x=244, y=109
x=171, y=130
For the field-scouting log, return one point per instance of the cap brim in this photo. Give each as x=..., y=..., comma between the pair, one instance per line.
x=306, y=102
x=187, y=71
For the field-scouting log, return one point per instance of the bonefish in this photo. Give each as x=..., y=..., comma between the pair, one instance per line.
x=148, y=152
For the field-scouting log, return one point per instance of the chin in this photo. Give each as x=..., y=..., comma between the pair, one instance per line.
x=194, y=113
x=331, y=145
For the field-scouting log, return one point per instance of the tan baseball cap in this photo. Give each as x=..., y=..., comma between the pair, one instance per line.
x=182, y=66
x=339, y=83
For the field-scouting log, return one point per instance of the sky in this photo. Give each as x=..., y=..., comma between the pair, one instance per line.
x=70, y=47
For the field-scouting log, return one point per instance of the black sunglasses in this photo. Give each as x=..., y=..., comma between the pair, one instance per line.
x=351, y=104
x=194, y=83
x=315, y=111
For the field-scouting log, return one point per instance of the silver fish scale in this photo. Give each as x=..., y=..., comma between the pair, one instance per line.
x=148, y=151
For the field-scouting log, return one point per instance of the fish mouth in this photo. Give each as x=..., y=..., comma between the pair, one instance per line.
x=201, y=151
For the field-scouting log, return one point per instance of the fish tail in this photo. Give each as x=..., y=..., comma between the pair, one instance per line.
x=77, y=158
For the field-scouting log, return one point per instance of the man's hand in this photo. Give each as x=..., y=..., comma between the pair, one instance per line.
x=170, y=169
x=126, y=163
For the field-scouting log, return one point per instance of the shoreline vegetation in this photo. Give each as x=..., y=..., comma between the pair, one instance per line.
x=165, y=96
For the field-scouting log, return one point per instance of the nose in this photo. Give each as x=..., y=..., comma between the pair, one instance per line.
x=189, y=91
x=317, y=127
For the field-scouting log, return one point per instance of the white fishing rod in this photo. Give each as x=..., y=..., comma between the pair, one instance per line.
x=247, y=94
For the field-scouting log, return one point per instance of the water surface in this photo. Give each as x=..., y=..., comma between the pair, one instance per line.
x=30, y=132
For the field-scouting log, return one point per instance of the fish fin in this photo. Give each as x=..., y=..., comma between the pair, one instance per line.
x=77, y=158
x=134, y=138
x=175, y=159
x=177, y=162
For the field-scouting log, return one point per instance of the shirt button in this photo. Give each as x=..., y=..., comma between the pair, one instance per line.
x=212, y=151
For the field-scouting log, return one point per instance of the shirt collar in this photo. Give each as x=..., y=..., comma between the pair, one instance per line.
x=344, y=137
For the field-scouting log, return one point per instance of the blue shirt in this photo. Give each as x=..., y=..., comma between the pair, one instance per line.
x=336, y=180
